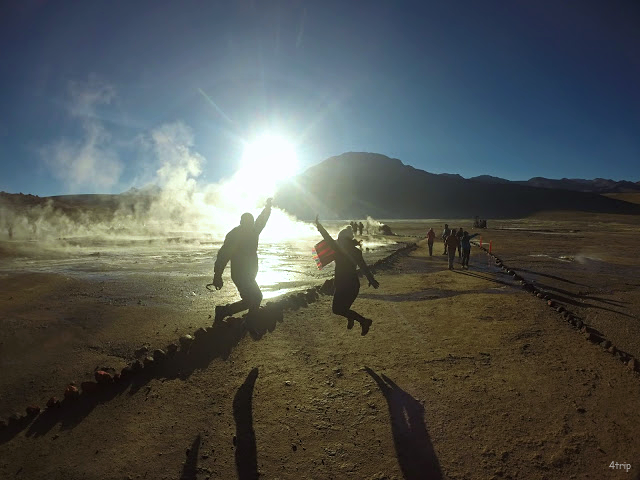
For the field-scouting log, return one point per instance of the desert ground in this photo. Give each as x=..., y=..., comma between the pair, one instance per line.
x=465, y=374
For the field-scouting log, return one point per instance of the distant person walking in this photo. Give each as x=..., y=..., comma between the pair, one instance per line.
x=347, y=284
x=466, y=248
x=431, y=236
x=445, y=233
x=452, y=243
x=240, y=247
x=360, y=227
x=459, y=235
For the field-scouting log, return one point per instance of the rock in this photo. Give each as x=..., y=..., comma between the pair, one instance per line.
x=141, y=351
x=102, y=377
x=126, y=372
x=148, y=362
x=136, y=366
x=560, y=309
x=612, y=349
x=311, y=295
x=53, y=402
x=327, y=287
x=632, y=364
x=294, y=447
x=89, y=387
x=551, y=303
x=287, y=383
x=3, y=425
x=301, y=300
x=172, y=348
x=201, y=332
x=14, y=418
x=540, y=295
x=159, y=355
x=606, y=344
x=116, y=377
x=579, y=324
x=71, y=392
x=592, y=337
x=33, y=410
x=186, y=341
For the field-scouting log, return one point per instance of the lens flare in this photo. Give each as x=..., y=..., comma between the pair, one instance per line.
x=265, y=162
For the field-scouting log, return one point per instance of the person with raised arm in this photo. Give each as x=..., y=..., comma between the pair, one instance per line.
x=240, y=247
x=346, y=282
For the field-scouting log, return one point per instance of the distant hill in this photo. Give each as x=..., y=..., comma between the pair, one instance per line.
x=597, y=185
x=356, y=184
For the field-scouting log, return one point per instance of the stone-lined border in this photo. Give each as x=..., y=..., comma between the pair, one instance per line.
x=104, y=380
x=589, y=333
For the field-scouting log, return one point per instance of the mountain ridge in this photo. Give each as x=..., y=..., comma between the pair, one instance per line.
x=357, y=184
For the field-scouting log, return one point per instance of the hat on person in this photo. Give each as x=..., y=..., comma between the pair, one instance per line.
x=345, y=234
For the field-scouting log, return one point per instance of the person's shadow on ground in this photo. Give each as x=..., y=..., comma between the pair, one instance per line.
x=246, y=448
x=190, y=468
x=415, y=453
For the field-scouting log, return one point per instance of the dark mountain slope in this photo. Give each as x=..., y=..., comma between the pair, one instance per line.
x=353, y=185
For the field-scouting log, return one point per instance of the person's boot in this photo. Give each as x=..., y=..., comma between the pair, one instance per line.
x=365, y=324
x=349, y=323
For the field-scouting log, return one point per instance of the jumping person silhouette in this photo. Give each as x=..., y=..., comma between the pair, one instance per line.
x=347, y=285
x=240, y=247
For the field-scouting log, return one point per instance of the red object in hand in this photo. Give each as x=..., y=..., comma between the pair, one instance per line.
x=323, y=254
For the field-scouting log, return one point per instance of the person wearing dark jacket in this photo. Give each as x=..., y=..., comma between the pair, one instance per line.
x=240, y=247
x=466, y=248
x=452, y=244
x=346, y=282
x=431, y=235
x=459, y=235
x=445, y=233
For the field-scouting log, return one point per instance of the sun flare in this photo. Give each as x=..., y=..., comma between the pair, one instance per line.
x=267, y=161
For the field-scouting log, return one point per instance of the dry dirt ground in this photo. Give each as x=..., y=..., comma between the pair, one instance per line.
x=463, y=375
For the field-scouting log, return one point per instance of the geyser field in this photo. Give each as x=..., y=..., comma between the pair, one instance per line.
x=464, y=374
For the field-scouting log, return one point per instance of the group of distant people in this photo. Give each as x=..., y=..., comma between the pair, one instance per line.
x=240, y=248
x=453, y=240
x=358, y=227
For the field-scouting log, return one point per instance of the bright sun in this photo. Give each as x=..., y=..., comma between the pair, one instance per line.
x=267, y=161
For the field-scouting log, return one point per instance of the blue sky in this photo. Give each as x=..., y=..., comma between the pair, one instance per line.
x=91, y=93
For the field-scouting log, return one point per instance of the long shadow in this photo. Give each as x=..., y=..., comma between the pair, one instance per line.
x=190, y=468
x=483, y=277
x=569, y=298
x=555, y=277
x=416, y=456
x=246, y=449
x=215, y=342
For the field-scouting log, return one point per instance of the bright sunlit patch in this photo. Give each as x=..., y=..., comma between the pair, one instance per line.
x=267, y=161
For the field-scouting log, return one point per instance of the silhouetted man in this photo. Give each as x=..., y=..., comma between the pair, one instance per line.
x=241, y=248
x=445, y=233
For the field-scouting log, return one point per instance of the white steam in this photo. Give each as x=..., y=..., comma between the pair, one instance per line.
x=90, y=162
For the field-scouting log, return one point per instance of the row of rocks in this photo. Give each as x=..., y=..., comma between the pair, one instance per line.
x=571, y=318
x=104, y=380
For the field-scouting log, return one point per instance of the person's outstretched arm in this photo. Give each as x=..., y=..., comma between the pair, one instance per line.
x=327, y=238
x=261, y=221
x=364, y=268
